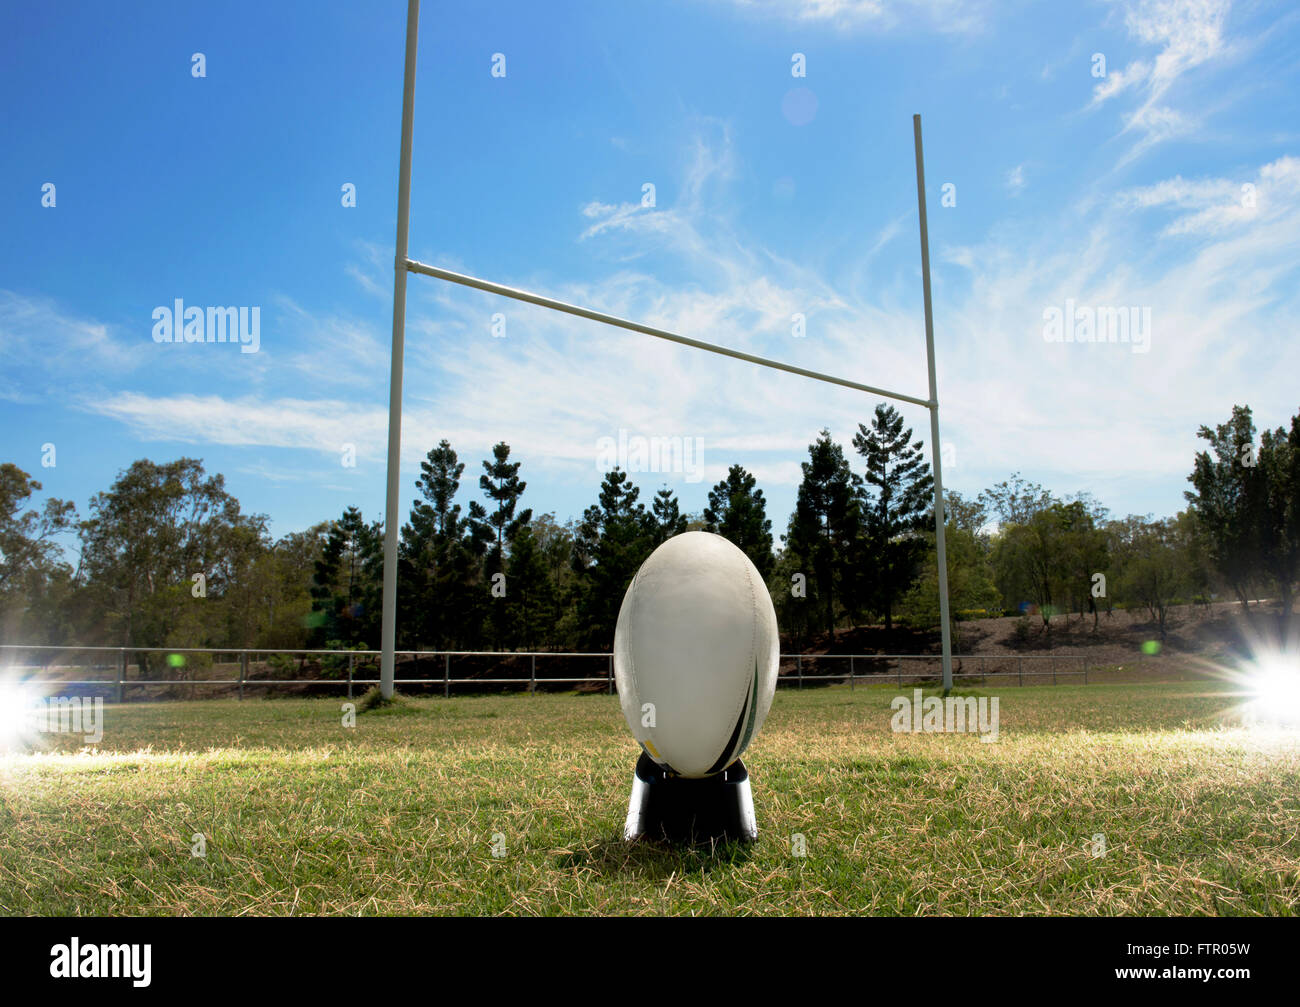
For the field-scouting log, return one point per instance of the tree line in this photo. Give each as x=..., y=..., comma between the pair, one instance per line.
x=167, y=557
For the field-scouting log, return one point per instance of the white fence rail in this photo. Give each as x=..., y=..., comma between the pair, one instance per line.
x=40, y=664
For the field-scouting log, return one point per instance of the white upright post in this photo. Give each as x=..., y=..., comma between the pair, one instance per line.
x=940, y=516
x=391, y=517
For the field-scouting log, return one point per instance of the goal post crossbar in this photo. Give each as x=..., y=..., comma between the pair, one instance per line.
x=649, y=330
x=403, y=265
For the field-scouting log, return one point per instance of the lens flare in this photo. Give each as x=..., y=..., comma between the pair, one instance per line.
x=16, y=709
x=1274, y=685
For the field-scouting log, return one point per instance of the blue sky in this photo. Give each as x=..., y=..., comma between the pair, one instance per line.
x=775, y=195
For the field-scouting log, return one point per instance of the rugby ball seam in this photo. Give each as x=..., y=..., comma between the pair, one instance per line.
x=730, y=751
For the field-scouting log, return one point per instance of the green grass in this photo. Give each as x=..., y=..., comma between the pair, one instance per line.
x=397, y=815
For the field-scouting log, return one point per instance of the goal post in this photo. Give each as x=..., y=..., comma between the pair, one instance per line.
x=940, y=511
x=392, y=520
x=403, y=264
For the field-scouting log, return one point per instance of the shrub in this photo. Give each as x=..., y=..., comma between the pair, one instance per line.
x=1021, y=630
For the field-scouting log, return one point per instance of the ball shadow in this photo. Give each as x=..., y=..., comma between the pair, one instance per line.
x=617, y=857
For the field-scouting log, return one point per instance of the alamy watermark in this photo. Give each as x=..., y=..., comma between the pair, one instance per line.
x=75, y=960
x=69, y=715
x=637, y=453
x=935, y=714
x=179, y=324
x=1102, y=324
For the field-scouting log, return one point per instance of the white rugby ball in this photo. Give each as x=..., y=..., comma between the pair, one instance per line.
x=697, y=640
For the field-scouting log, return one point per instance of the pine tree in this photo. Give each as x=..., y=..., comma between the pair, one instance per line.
x=492, y=534
x=443, y=588
x=1230, y=494
x=667, y=519
x=434, y=571
x=502, y=485
x=611, y=543
x=738, y=512
x=1247, y=502
x=824, y=525
x=347, y=583
x=439, y=482
x=530, y=595
x=895, y=514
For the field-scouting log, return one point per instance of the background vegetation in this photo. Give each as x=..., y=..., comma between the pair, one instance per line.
x=858, y=549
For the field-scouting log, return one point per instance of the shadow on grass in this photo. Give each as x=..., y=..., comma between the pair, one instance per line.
x=654, y=858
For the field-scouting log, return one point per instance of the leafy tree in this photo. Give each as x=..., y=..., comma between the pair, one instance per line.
x=895, y=514
x=1083, y=553
x=157, y=526
x=1029, y=559
x=246, y=565
x=1046, y=550
x=1016, y=501
x=555, y=545
x=738, y=512
x=50, y=609
x=278, y=590
x=27, y=536
x=1191, y=541
x=970, y=515
x=1155, y=564
x=970, y=570
x=796, y=613
x=970, y=579
x=32, y=572
x=1050, y=558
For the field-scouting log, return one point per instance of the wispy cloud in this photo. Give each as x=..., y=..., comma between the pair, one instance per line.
x=1117, y=81
x=947, y=16
x=314, y=424
x=1216, y=302
x=42, y=341
x=334, y=349
x=1188, y=33
x=1221, y=205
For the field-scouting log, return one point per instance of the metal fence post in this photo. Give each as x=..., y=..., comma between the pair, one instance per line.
x=446, y=676
x=243, y=671
x=1020, y=669
x=850, y=673
x=609, y=675
x=349, y=676
x=798, y=662
x=121, y=676
x=532, y=674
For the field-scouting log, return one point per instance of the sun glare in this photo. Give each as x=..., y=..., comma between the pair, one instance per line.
x=1274, y=685
x=15, y=714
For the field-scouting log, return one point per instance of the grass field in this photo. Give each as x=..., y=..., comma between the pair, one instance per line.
x=397, y=815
